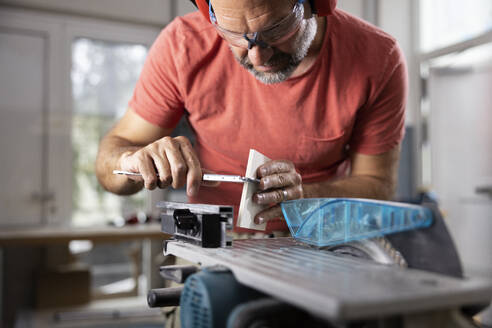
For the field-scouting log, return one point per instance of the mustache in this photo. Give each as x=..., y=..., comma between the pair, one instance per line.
x=278, y=59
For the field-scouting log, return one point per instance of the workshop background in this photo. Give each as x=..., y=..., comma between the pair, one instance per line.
x=73, y=254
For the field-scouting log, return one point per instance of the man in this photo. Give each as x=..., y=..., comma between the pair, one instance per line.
x=323, y=96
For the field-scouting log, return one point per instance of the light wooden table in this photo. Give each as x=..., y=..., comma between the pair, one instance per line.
x=64, y=234
x=149, y=234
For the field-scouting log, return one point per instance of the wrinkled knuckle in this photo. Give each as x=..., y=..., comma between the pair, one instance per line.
x=153, y=146
x=196, y=178
x=182, y=140
x=150, y=184
x=278, y=167
x=263, y=198
x=140, y=156
x=262, y=184
x=279, y=196
x=261, y=171
x=281, y=179
x=165, y=178
x=195, y=165
x=300, y=191
x=267, y=181
x=180, y=169
x=167, y=139
x=284, y=165
x=162, y=184
x=152, y=181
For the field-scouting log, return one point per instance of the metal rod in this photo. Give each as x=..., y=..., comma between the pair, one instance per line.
x=206, y=177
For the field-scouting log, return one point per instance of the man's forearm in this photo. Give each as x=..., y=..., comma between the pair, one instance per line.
x=352, y=187
x=111, y=150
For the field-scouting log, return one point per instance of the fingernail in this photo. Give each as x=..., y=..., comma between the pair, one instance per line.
x=259, y=220
x=263, y=171
x=192, y=191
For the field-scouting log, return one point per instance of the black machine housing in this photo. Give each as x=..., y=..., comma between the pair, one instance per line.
x=200, y=224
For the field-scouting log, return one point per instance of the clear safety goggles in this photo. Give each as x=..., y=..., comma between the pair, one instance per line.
x=276, y=34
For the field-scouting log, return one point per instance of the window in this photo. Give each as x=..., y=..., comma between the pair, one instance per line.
x=456, y=71
x=444, y=26
x=444, y=22
x=103, y=77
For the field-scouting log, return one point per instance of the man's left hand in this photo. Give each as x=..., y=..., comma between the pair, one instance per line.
x=279, y=182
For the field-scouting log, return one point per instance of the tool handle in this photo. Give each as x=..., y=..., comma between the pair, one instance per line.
x=162, y=297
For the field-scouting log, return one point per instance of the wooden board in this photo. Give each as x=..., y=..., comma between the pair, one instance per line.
x=247, y=208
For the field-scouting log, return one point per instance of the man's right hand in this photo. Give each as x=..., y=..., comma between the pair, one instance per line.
x=164, y=162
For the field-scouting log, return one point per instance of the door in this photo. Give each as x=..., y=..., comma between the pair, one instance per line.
x=39, y=115
x=461, y=141
x=23, y=113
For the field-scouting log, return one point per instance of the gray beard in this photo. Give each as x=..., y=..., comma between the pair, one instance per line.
x=289, y=62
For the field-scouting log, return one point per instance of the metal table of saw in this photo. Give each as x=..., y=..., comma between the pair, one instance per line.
x=331, y=286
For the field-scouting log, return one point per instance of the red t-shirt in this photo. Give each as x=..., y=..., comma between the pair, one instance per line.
x=353, y=97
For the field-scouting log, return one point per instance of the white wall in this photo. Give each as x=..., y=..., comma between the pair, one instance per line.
x=154, y=12
x=355, y=7
x=397, y=17
x=461, y=140
x=183, y=7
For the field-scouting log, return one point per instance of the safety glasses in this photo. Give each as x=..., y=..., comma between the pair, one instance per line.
x=276, y=34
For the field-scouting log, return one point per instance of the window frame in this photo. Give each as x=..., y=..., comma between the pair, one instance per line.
x=108, y=31
x=424, y=59
x=61, y=30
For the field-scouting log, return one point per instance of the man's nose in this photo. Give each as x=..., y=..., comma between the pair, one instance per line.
x=259, y=56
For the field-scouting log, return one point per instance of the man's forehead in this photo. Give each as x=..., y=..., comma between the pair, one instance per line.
x=250, y=15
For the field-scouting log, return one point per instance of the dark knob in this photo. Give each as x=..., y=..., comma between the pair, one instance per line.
x=162, y=297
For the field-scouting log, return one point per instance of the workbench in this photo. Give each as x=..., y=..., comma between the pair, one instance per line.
x=29, y=242
x=62, y=234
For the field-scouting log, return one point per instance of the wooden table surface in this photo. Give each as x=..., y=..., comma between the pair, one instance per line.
x=63, y=234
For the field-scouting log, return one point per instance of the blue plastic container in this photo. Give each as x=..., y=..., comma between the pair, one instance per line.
x=330, y=221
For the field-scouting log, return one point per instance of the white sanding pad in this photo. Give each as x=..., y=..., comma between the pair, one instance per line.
x=247, y=208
